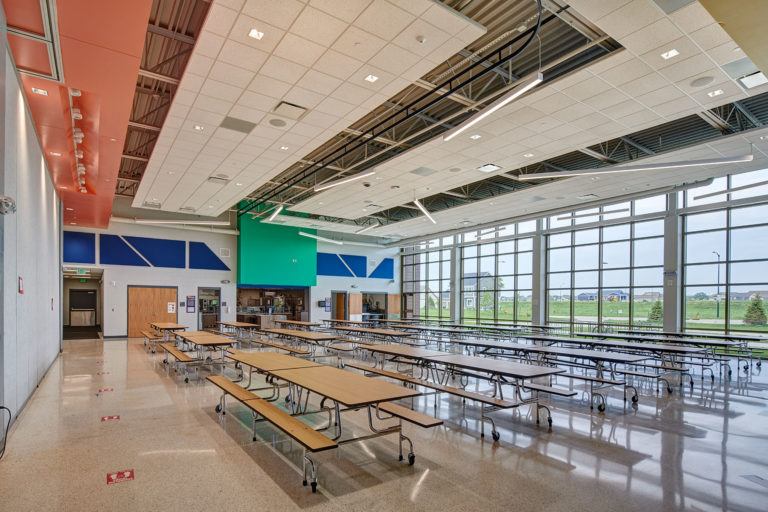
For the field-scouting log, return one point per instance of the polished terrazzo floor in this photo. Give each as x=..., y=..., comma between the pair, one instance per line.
x=706, y=450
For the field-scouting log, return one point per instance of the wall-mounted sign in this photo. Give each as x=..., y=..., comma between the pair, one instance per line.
x=172, y=307
x=190, y=303
x=327, y=304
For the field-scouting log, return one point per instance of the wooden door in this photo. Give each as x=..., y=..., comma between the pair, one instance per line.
x=339, y=300
x=147, y=305
x=393, y=304
x=355, y=306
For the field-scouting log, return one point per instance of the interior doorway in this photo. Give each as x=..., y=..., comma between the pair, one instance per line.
x=82, y=303
x=148, y=304
x=339, y=308
x=209, y=308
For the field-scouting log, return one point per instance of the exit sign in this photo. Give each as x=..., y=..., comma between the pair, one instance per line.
x=83, y=280
x=80, y=271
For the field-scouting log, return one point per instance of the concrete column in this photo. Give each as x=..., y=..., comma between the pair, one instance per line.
x=539, y=299
x=673, y=244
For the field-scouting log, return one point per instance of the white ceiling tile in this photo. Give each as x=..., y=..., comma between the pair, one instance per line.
x=622, y=109
x=384, y=20
x=391, y=58
x=205, y=118
x=430, y=36
x=303, y=97
x=247, y=114
x=257, y=101
x=710, y=36
x=220, y=90
x=606, y=99
x=244, y=24
x=689, y=67
x=282, y=69
x=231, y=75
x=209, y=44
x=587, y=88
x=337, y=64
x=358, y=44
x=219, y=20
x=183, y=97
x=242, y=55
x=629, y=18
x=318, y=26
x=199, y=65
x=232, y=4
x=346, y=10
x=334, y=107
x=213, y=104
x=269, y=86
x=319, y=82
x=191, y=82
x=280, y=14
x=638, y=118
x=299, y=50
x=648, y=38
x=644, y=85
x=415, y=7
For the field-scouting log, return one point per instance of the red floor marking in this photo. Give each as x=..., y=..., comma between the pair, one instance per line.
x=106, y=389
x=102, y=373
x=120, y=476
x=107, y=418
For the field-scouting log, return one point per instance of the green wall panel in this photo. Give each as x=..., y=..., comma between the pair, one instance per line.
x=268, y=254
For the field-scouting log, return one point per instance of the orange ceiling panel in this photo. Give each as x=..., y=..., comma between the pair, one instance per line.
x=29, y=54
x=25, y=15
x=101, y=45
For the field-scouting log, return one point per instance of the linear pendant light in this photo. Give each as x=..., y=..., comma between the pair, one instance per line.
x=633, y=168
x=424, y=210
x=367, y=228
x=342, y=181
x=730, y=190
x=275, y=213
x=188, y=222
x=521, y=89
x=322, y=239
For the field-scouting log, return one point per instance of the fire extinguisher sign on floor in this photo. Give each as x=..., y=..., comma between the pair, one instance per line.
x=120, y=476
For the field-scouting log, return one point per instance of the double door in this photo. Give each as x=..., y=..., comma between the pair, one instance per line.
x=150, y=304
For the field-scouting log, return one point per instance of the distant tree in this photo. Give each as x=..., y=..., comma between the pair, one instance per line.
x=656, y=314
x=755, y=314
x=700, y=296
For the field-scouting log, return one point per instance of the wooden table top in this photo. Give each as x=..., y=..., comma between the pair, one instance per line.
x=706, y=335
x=497, y=366
x=345, y=387
x=237, y=324
x=376, y=332
x=167, y=326
x=297, y=322
x=592, y=355
x=503, y=328
x=207, y=339
x=405, y=351
x=305, y=335
x=270, y=361
x=353, y=322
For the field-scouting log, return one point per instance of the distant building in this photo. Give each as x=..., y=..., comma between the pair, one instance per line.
x=608, y=295
x=747, y=295
x=648, y=297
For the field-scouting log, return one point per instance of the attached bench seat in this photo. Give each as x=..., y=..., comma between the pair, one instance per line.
x=291, y=350
x=181, y=358
x=221, y=333
x=489, y=403
x=603, y=382
x=150, y=339
x=549, y=389
x=310, y=439
x=409, y=415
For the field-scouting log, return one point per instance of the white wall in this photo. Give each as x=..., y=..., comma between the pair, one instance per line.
x=326, y=284
x=117, y=278
x=31, y=322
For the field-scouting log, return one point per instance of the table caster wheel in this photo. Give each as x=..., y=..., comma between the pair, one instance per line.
x=635, y=399
x=713, y=378
x=759, y=364
x=549, y=420
x=601, y=407
x=691, y=384
x=496, y=436
x=746, y=367
x=669, y=390
x=165, y=361
x=411, y=459
x=314, y=486
x=218, y=408
x=186, y=379
x=304, y=483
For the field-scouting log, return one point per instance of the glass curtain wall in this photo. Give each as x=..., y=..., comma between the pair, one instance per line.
x=609, y=275
x=426, y=276
x=496, y=275
x=725, y=257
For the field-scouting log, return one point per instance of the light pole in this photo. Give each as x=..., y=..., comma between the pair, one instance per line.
x=718, y=283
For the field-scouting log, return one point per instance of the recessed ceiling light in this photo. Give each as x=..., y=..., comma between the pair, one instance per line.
x=112, y=139
x=238, y=184
x=321, y=202
x=73, y=223
x=210, y=206
x=54, y=153
x=488, y=168
x=255, y=34
x=284, y=148
x=671, y=53
x=154, y=199
x=199, y=128
x=528, y=155
x=395, y=187
x=475, y=136
x=594, y=178
x=70, y=209
x=41, y=92
x=107, y=180
x=171, y=173
x=465, y=222
x=371, y=78
x=715, y=93
x=64, y=187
